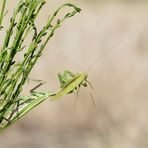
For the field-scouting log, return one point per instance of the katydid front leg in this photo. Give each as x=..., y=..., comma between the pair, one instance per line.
x=37, y=86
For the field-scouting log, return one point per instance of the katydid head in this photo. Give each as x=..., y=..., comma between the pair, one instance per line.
x=85, y=82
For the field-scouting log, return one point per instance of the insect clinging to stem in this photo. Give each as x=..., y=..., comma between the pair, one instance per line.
x=71, y=82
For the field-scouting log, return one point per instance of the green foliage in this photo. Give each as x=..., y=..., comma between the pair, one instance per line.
x=14, y=73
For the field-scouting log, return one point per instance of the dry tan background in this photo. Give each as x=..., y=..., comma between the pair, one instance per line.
x=119, y=77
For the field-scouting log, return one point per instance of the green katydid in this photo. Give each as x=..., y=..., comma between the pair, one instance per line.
x=71, y=82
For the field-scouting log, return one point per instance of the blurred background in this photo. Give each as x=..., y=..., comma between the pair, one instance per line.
x=107, y=40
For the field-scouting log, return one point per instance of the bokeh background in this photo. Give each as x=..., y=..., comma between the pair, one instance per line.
x=109, y=38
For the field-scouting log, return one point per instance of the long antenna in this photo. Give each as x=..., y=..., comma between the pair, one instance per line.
x=106, y=52
x=97, y=59
x=114, y=45
x=65, y=58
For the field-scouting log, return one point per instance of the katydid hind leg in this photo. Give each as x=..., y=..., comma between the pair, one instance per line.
x=77, y=91
x=77, y=95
